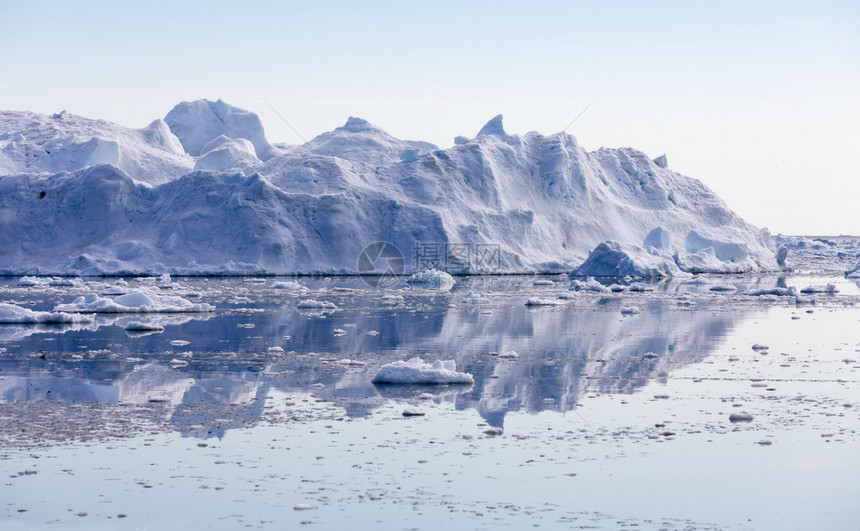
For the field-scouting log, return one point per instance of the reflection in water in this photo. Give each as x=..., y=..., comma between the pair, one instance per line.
x=220, y=378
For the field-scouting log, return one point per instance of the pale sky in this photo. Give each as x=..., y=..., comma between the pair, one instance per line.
x=759, y=100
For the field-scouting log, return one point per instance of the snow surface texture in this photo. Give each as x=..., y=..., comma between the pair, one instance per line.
x=204, y=192
x=415, y=371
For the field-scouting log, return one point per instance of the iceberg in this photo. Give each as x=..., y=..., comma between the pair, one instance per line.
x=416, y=371
x=203, y=192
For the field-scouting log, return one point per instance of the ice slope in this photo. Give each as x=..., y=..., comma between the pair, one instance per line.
x=542, y=202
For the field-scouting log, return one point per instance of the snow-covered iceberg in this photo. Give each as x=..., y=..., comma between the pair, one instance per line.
x=416, y=371
x=204, y=192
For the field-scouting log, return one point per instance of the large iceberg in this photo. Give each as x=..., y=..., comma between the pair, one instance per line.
x=204, y=192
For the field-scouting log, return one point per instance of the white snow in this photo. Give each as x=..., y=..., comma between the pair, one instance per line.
x=204, y=192
x=415, y=371
x=144, y=300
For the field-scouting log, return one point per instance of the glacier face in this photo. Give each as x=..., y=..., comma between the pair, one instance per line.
x=204, y=192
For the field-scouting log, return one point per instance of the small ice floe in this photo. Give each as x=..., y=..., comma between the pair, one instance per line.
x=589, y=284
x=29, y=282
x=829, y=288
x=275, y=350
x=778, y=292
x=179, y=342
x=473, y=298
x=143, y=326
x=764, y=442
x=566, y=295
x=432, y=279
x=723, y=287
x=245, y=325
x=392, y=300
x=140, y=301
x=177, y=363
x=372, y=333
x=65, y=282
x=486, y=312
x=289, y=285
x=758, y=347
x=254, y=281
x=12, y=314
x=543, y=282
x=304, y=507
x=158, y=399
x=650, y=356
x=542, y=302
x=415, y=371
x=413, y=412
x=640, y=287
x=338, y=332
x=352, y=363
x=630, y=310
x=494, y=432
x=617, y=288
x=312, y=304
x=509, y=355
x=318, y=385
x=740, y=417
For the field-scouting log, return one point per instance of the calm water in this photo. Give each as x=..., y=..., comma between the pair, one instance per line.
x=236, y=417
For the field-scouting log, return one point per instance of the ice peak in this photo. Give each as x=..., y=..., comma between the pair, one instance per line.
x=358, y=125
x=493, y=127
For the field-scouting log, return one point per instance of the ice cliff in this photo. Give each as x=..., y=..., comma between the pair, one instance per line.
x=204, y=192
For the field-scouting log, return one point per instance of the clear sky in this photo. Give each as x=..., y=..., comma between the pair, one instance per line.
x=759, y=100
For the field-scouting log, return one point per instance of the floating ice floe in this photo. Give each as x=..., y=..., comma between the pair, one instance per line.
x=289, y=285
x=313, y=304
x=588, y=284
x=432, y=279
x=143, y=326
x=140, y=301
x=12, y=314
x=415, y=371
x=543, y=302
x=777, y=291
x=829, y=288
